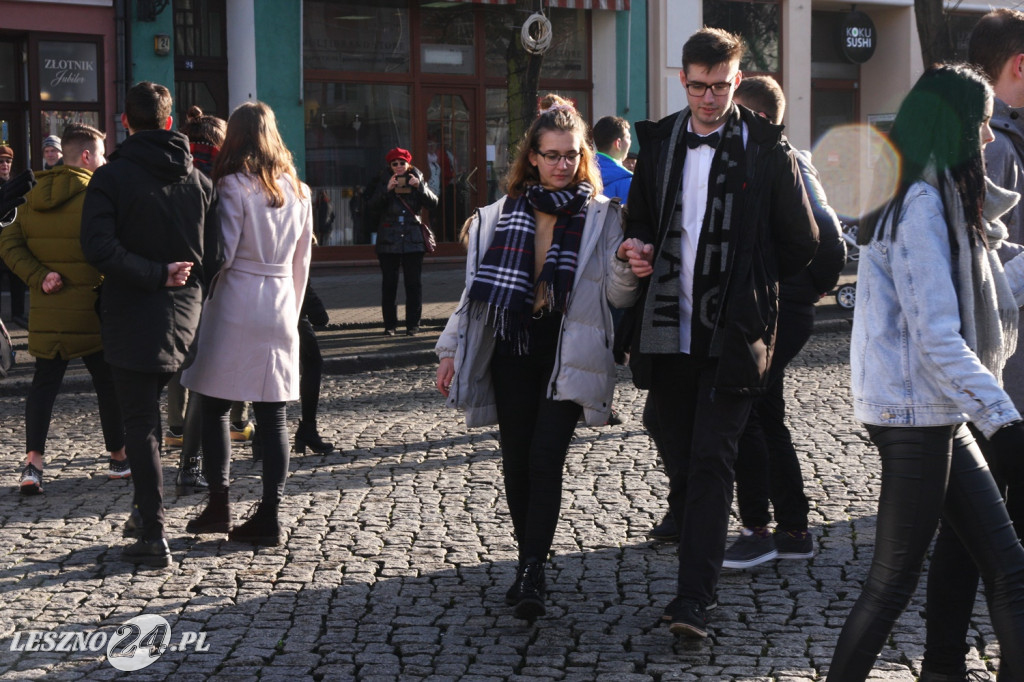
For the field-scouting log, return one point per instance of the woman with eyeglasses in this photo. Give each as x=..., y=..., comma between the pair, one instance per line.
x=530, y=344
x=396, y=201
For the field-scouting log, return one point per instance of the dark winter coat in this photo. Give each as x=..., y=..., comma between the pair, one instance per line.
x=146, y=208
x=45, y=239
x=775, y=237
x=398, y=229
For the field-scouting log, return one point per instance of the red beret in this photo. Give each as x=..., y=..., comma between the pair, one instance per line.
x=399, y=153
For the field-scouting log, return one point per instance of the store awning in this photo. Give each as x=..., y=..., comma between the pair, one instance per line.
x=564, y=4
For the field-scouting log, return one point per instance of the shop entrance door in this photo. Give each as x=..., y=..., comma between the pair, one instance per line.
x=448, y=161
x=834, y=102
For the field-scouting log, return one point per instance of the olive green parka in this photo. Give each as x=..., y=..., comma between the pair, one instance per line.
x=44, y=239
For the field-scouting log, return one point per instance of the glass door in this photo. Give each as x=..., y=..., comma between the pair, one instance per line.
x=449, y=161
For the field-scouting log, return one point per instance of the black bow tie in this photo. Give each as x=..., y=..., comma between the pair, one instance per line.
x=693, y=140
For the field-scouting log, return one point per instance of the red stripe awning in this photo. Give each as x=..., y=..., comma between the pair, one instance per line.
x=619, y=5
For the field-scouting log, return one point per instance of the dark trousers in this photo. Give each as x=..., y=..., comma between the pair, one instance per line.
x=916, y=464
x=767, y=466
x=699, y=435
x=138, y=394
x=271, y=436
x=411, y=265
x=43, y=393
x=953, y=580
x=535, y=436
x=311, y=367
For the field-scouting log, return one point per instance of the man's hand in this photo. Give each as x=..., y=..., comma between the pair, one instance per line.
x=445, y=373
x=52, y=283
x=12, y=194
x=177, y=274
x=639, y=254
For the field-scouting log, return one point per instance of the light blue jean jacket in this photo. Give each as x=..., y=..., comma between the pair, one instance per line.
x=910, y=365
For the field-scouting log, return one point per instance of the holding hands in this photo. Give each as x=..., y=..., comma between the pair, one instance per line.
x=639, y=255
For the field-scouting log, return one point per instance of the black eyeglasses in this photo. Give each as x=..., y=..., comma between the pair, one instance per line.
x=717, y=89
x=554, y=158
x=398, y=163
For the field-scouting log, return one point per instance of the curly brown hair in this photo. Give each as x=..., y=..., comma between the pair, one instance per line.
x=556, y=114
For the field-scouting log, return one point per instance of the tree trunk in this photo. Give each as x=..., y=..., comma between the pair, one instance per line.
x=523, y=78
x=933, y=30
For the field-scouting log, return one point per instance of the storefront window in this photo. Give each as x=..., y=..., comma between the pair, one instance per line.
x=567, y=57
x=199, y=28
x=446, y=41
x=68, y=72
x=759, y=26
x=349, y=129
x=54, y=122
x=8, y=72
x=345, y=35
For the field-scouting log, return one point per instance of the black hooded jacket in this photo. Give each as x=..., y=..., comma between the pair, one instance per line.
x=146, y=208
x=776, y=238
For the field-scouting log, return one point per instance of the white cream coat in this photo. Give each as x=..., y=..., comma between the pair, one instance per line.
x=584, y=369
x=248, y=343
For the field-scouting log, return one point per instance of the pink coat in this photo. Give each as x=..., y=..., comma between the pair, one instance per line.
x=248, y=343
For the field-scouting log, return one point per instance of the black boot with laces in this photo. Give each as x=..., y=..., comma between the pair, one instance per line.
x=532, y=590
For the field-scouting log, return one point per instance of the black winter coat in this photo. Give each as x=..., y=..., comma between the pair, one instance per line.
x=775, y=238
x=398, y=229
x=146, y=208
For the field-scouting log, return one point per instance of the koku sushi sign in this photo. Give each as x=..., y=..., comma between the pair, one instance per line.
x=859, y=38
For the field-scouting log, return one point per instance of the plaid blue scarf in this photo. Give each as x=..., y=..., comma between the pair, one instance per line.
x=503, y=289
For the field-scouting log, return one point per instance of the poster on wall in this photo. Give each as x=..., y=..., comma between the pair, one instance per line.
x=68, y=72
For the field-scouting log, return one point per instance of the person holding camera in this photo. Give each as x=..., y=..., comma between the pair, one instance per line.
x=397, y=200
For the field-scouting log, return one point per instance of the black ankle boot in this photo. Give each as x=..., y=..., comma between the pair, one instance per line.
x=133, y=524
x=307, y=436
x=262, y=528
x=531, y=591
x=190, y=479
x=154, y=553
x=512, y=596
x=216, y=518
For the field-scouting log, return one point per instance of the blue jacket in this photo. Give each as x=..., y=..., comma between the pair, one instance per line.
x=614, y=176
x=909, y=364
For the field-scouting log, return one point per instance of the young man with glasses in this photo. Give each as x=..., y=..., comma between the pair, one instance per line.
x=722, y=216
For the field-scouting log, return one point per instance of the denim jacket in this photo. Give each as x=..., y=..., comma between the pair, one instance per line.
x=910, y=366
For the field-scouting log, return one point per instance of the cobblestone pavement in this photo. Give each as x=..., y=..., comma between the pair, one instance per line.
x=399, y=551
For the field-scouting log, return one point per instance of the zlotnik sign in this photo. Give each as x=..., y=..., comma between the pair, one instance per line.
x=858, y=39
x=68, y=72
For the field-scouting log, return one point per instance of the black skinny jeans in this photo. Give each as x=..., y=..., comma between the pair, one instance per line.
x=138, y=393
x=916, y=462
x=272, y=437
x=535, y=436
x=953, y=581
x=767, y=466
x=411, y=265
x=42, y=394
x=311, y=367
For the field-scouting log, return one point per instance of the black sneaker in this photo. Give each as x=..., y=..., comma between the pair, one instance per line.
x=667, y=615
x=31, y=480
x=794, y=544
x=666, y=531
x=614, y=419
x=688, y=618
x=753, y=547
x=154, y=553
x=119, y=469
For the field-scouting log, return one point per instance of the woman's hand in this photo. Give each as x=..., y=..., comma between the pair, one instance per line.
x=445, y=373
x=393, y=182
x=639, y=255
x=413, y=181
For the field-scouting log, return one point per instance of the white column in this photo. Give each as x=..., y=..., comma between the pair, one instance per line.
x=604, y=63
x=796, y=71
x=671, y=23
x=241, y=33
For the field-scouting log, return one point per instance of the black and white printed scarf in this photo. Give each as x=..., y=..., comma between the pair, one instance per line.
x=504, y=288
x=660, y=330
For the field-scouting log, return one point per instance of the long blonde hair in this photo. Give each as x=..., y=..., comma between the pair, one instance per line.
x=556, y=114
x=253, y=145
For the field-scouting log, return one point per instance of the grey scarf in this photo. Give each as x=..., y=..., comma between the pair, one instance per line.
x=988, y=310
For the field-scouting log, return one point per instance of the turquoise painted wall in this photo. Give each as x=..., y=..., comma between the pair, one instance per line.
x=279, y=70
x=145, y=65
x=631, y=72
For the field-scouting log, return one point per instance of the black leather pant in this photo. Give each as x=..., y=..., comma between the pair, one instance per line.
x=916, y=463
